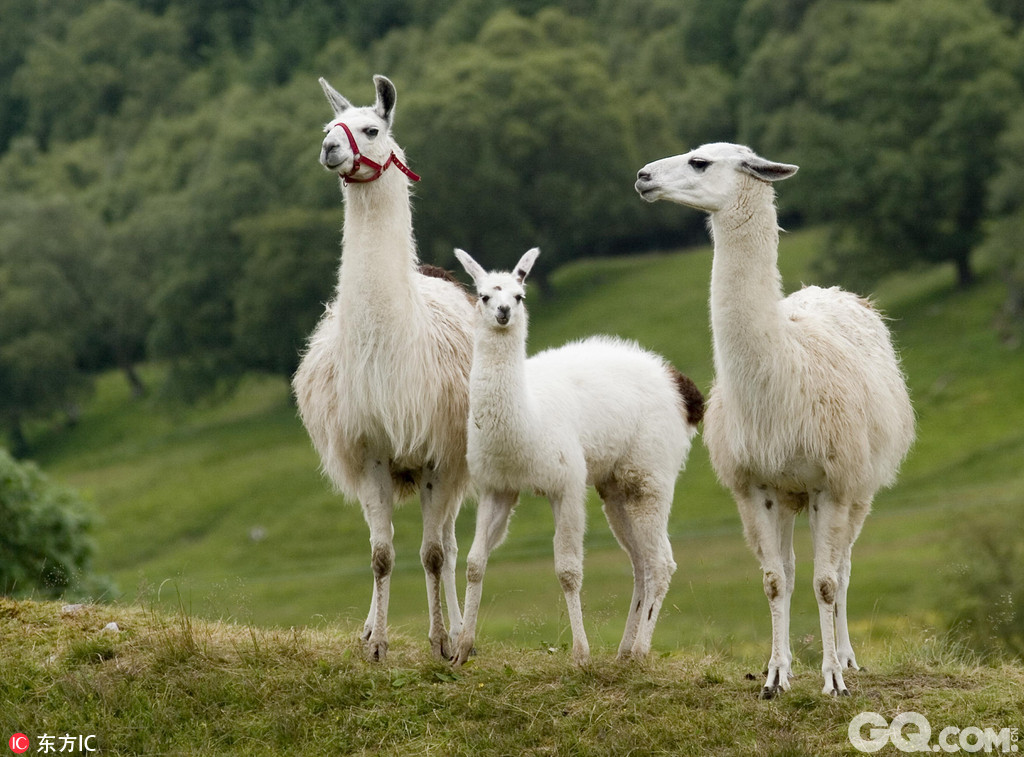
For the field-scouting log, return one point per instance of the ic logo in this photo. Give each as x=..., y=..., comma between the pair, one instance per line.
x=18, y=743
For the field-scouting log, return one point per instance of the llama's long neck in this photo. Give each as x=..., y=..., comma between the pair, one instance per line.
x=378, y=260
x=500, y=403
x=746, y=287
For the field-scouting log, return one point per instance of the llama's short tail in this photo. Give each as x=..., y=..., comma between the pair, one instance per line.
x=693, y=400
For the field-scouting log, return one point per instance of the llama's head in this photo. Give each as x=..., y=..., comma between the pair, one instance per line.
x=358, y=145
x=500, y=295
x=709, y=178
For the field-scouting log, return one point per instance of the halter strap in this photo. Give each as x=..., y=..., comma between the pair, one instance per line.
x=360, y=160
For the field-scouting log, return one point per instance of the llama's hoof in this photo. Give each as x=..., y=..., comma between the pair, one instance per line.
x=769, y=692
x=441, y=648
x=463, y=650
x=581, y=657
x=835, y=686
x=847, y=660
x=377, y=651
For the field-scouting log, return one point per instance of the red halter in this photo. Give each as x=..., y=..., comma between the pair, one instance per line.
x=361, y=160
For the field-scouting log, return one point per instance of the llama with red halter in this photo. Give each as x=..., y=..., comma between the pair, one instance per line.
x=383, y=386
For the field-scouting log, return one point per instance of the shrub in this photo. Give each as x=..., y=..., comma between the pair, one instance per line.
x=989, y=588
x=45, y=548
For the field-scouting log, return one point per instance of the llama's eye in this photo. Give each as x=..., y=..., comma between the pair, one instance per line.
x=485, y=298
x=519, y=298
x=699, y=164
x=371, y=131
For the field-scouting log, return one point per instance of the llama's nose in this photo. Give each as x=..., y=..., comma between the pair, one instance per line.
x=503, y=314
x=329, y=154
x=643, y=175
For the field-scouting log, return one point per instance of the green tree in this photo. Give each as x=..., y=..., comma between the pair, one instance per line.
x=43, y=317
x=893, y=111
x=112, y=60
x=1005, y=228
x=523, y=139
x=288, y=275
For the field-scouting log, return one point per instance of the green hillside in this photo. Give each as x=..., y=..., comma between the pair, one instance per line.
x=170, y=684
x=221, y=508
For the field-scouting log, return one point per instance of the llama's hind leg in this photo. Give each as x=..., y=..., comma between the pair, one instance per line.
x=650, y=528
x=492, y=514
x=376, y=498
x=438, y=555
x=843, y=646
x=451, y=592
x=622, y=528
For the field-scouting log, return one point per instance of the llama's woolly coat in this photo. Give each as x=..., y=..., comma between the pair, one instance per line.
x=396, y=383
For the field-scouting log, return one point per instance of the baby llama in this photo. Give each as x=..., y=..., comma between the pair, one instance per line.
x=383, y=386
x=600, y=411
x=809, y=408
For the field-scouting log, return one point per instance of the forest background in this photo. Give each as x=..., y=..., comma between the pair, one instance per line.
x=163, y=218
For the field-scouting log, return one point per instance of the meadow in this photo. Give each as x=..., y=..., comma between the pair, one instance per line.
x=173, y=684
x=220, y=510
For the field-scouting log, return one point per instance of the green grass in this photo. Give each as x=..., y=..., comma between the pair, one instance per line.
x=181, y=492
x=170, y=683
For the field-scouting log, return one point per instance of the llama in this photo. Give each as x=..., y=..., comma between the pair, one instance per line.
x=809, y=408
x=383, y=388
x=600, y=411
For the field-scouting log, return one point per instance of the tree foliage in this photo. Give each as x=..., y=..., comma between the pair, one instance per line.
x=161, y=198
x=894, y=111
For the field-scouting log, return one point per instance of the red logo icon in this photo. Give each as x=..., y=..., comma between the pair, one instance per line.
x=19, y=743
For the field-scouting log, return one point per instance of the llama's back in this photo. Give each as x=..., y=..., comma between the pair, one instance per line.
x=626, y=404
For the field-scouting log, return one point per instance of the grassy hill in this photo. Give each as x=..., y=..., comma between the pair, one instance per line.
x=220, y=509
x=173, y=684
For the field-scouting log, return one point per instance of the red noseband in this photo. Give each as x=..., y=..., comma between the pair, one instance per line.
x=361, y=160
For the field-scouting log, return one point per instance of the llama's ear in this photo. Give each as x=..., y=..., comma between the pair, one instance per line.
x=386, y=97
x=768, y=170
x=525, y=264
x=474, y=269
x=338, y=102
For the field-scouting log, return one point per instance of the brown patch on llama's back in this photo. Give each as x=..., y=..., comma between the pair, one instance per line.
x=436, y=272
x=693, y=400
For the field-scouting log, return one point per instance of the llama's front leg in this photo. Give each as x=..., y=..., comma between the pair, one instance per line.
x=768, y=526
x=377, y=500
x=570, y=525
x=492, y=516
x=438, y=554
x=830, y=535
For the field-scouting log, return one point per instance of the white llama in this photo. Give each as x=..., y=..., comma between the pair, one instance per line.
x=383, y=386
x=601, y=411
x=809, y=407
